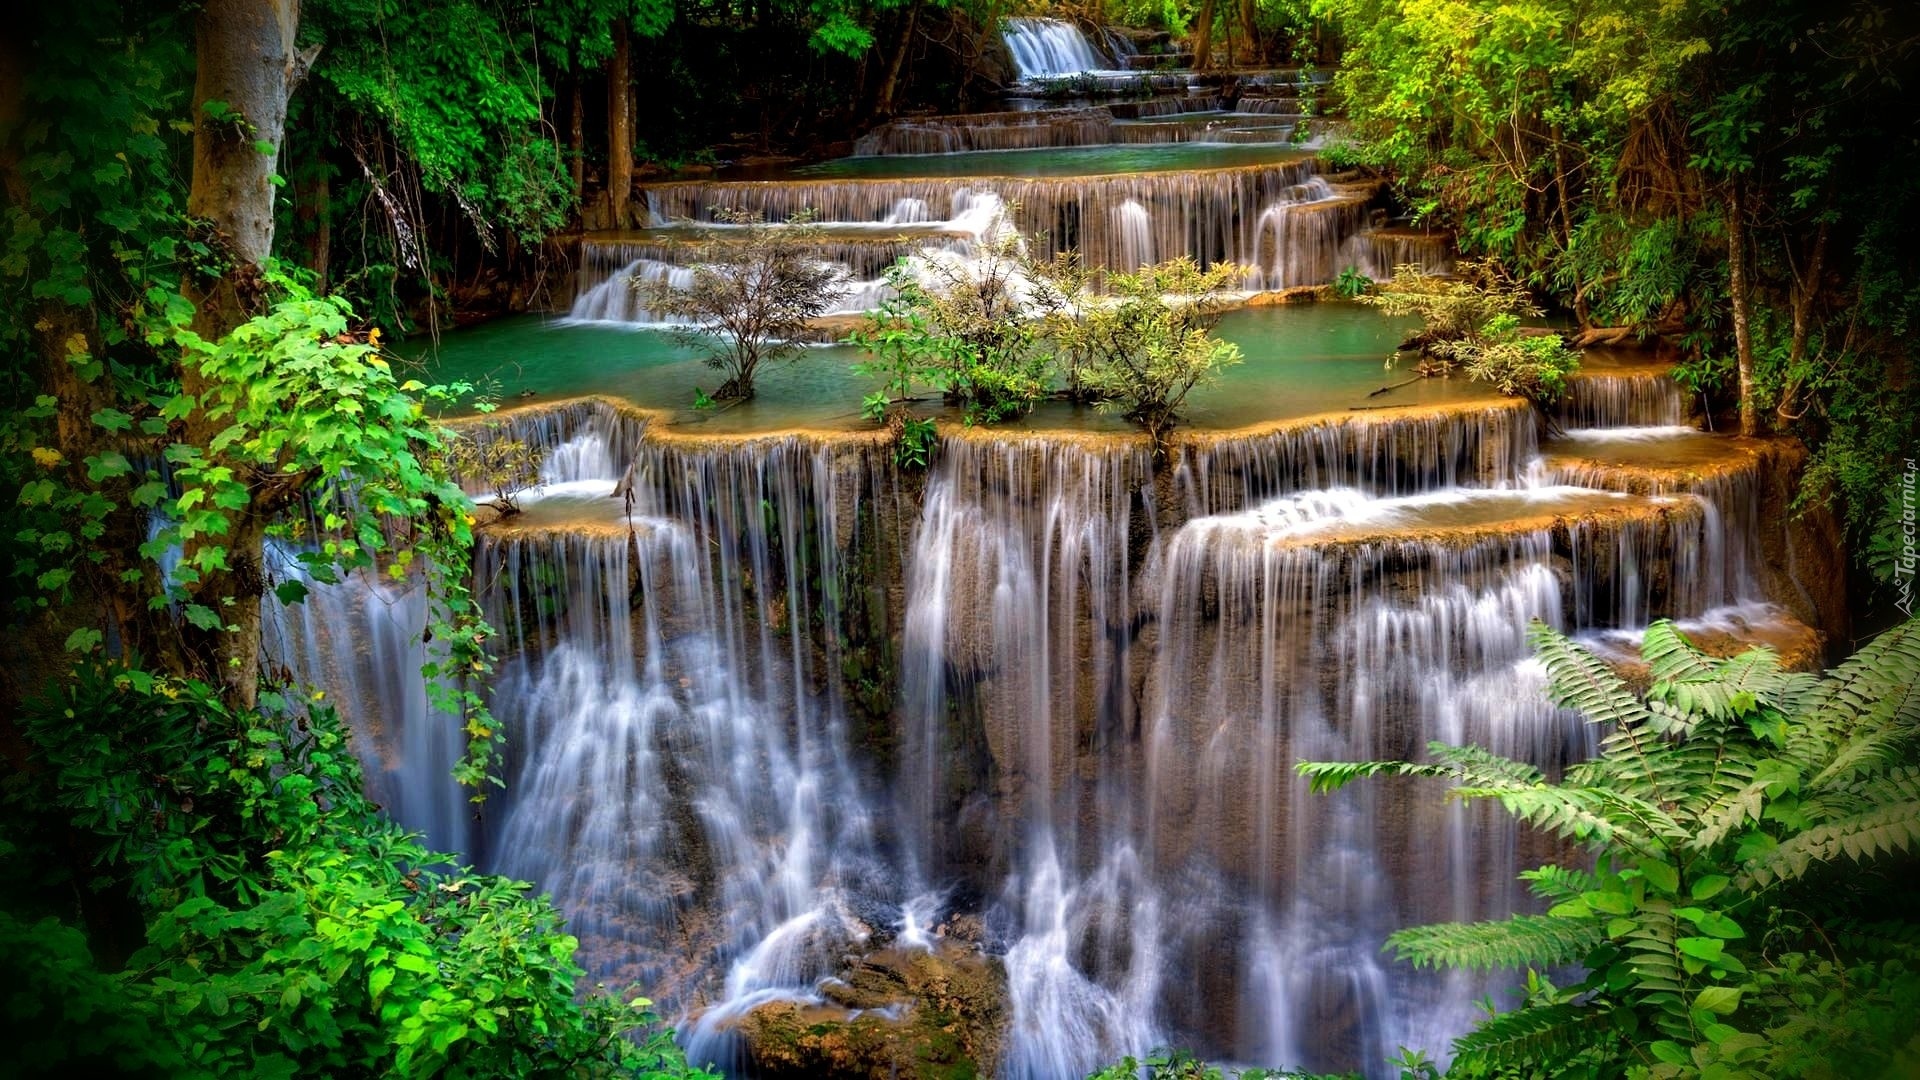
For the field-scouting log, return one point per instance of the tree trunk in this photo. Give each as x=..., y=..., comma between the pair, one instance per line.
x=1203, y=36
x=577, y=144
x=313, y=208
x=620, y=125
x=1250, y=32
x=890, y=85
x=1806, y=289
x=1742, y=313
x=246, y=69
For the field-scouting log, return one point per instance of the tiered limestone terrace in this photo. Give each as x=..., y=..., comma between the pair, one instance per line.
x=1301, y=360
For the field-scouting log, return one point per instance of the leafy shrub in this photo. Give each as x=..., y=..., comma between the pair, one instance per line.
x=1747, y=911
x=1351, y=284
x=289, y=929
x=1473, y=322
x=1148, y=343
x=957, y=326
x=499, y=464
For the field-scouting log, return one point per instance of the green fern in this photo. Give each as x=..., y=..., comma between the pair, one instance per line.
x=1523, y=941
x=1556, y=1033
x=1710, y=933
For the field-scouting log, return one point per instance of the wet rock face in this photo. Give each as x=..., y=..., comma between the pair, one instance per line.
x=1804, y=552
x=897, y=1014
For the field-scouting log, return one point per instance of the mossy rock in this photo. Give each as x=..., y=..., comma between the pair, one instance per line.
x=897, y=1014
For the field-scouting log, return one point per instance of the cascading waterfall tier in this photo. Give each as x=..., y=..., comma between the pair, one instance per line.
x=1050, y=48
x=1296, y=236
x=787, y=705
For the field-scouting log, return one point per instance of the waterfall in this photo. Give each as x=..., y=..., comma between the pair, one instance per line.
x=1049, y=48
x=1302, y=234
x=1018, y=596
x=1029, y=130
x=1133, y=226
x=787, y=706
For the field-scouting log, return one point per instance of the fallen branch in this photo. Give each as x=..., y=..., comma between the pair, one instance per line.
x=1396, y=386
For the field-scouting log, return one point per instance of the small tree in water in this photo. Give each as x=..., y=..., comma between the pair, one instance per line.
x=1148, y=343
x=1473, y=321
x=756, y=286
x=960, y=326
x=496, y=462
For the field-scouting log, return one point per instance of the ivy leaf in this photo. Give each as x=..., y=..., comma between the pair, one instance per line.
x=107, y=465
x=291, y=592
x=204, y=617
x=84, y=640
x=113, y=419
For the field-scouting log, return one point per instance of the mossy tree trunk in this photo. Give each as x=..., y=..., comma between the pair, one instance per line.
x=620, y=123
x=246, y=67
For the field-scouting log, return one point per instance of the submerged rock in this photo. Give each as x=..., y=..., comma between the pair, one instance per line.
x=938, y=1014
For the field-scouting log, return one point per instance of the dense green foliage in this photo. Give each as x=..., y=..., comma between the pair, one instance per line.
x=1146, y=343
x=288, y=929
x=1737, y=178
x=1747, y=910
x=959, y=327
x=998, y=335
x=194, y=881
x=1471, y=320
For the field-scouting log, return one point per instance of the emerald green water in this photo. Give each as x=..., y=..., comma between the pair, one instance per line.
x=1053, y=161
x=1300, y=360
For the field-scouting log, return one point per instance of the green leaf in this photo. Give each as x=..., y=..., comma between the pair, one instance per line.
x=1608, y=903
x=291, y=592
x=1719, y=1000
x=1700, y=948
x=1670, y=1052
x=1661, y=876
x=379, y=980
x=203, y=617
x=1720, y=926
x=1708, y=887
x=113, y=419
x=85, y=639
x=107, y=465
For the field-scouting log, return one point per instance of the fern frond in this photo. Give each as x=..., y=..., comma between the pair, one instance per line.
x=1471, y=766
x=1878, y=686
x=1581, y=681
x=1522, y=941
x=1324, y=777
x=1862, y=755
x=1731, y=810
x=1526, y=1037
x=1586, y=815
x=1557, y=884
x=1670, y=656
x=1878, y=940
x=1884, y=829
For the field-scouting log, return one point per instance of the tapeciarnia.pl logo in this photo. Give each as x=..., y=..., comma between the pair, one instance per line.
x=1903, y=566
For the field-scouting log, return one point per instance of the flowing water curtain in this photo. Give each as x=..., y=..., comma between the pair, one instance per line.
x=1049, y=48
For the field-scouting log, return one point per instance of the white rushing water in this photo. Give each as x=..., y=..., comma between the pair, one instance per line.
x=1049, y=48
x=1091, y=714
